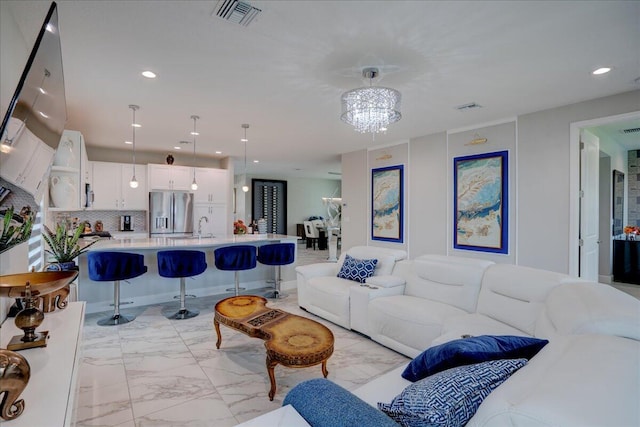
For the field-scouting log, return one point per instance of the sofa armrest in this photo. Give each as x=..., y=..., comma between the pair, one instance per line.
x=322, y=403
x=359, y=297
x=387, y=281
x=317, y=270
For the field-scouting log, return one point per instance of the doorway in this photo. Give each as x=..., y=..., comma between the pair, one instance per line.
x=582, y=264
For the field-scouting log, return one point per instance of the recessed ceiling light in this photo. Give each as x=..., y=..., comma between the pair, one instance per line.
x=136, y=125
x=244, y=140
x=195, y=133
x=601, y=70
x=256, y=161
x=218, y=152
x=149, y=74
x=177, y=147
x=128, y=142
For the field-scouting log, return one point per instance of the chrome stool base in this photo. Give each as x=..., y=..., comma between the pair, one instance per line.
x=182, y=314
x=275, y=294
x=117, y=319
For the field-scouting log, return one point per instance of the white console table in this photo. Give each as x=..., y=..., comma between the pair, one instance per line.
x=50, y=394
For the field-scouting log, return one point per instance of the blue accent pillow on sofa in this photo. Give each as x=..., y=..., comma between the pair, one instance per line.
x=357, y=270
x=466, y=351
x=449, y=398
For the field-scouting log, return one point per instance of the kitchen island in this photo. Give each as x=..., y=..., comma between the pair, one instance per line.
x=151, y=288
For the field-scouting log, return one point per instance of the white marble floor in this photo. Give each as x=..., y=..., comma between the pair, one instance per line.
x=160, y=372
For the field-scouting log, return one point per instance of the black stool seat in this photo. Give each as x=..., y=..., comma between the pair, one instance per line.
x=181, y=264
x=115, y=266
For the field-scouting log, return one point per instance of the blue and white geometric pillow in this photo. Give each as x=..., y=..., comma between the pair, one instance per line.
x=451, y=397
x=357, y=270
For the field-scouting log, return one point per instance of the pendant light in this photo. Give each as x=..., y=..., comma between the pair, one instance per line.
x=134, y=182
x=194, y=184
x=245, y=126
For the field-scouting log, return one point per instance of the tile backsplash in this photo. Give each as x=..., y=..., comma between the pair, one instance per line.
x=110, y=219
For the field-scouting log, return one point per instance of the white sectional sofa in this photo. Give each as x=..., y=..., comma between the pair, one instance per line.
x=588, y=374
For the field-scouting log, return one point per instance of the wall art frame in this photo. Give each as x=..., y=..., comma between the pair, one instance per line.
x=481, y=202
x=387, y=204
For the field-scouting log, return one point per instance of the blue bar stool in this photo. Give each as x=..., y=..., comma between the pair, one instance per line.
x=115, y=266
x=277, y=254
x=235, y=258
x=182, y=264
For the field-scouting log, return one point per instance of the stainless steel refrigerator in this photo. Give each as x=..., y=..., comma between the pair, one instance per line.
x=170, y=213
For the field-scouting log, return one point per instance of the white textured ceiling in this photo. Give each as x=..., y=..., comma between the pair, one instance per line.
x=284, y=74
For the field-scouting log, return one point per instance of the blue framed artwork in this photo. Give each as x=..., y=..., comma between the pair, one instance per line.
x=387, y=190
x=481, y=208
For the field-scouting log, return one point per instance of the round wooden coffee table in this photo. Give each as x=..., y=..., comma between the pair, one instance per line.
x=292, y=341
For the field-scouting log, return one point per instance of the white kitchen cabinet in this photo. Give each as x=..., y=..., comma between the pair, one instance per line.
x=70, y=168
x=169, y=177
x=212, y=186
x=26, y=163
x=215, y=223
x=111, y=187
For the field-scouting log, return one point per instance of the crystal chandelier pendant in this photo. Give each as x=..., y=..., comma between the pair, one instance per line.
x=371, y=109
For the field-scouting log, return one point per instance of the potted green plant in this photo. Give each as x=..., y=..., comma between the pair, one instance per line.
x=15, y=229
x=64, y=246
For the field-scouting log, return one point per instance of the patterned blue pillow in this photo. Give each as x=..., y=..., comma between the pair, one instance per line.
x=357, y=269
x=451, y=397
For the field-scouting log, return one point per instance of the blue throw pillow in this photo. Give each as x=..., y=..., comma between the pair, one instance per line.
x=471, y=350
x=357, y=270
x=451, y=397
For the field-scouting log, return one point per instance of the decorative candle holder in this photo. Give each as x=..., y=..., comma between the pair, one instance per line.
x=30, y=286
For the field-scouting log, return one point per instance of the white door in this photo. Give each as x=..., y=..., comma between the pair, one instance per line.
x=589, y=175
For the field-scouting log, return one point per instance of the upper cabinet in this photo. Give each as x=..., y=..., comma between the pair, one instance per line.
x=69, y=173
x=212, y=186
x=111, y=187
x=26, y=163
x=169, y=177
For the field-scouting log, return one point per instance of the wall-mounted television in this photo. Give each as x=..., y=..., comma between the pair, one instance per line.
x=38, y=102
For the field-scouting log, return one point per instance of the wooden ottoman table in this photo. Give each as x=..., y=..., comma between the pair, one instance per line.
x=292, y=341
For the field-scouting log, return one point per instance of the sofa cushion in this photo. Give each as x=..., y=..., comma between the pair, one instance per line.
x=410, y=322
x=515, y=295
x=575, y=381
x=471, y=350
x=387, y=258
x=451, y=397
x=447, y=279
x=593, y=308
x=356, y=269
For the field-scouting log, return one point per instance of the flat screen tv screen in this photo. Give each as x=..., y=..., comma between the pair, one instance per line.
x=38, y=102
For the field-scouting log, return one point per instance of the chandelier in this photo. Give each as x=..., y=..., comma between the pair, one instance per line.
x=373, y=108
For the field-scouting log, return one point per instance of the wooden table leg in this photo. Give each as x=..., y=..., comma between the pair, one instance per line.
x=272, y=378
x=216, y=324
x=324, y=368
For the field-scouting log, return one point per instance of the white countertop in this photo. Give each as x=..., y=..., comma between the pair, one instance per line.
x=189, y=242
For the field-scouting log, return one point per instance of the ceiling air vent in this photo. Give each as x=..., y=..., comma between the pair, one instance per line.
x=467, y=107
x=630, y=130
x=236, y=11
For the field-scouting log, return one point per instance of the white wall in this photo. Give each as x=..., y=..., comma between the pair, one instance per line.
x=355, y=197
x=540, y=168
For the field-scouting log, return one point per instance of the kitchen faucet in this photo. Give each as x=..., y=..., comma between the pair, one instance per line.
x=200, y=224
